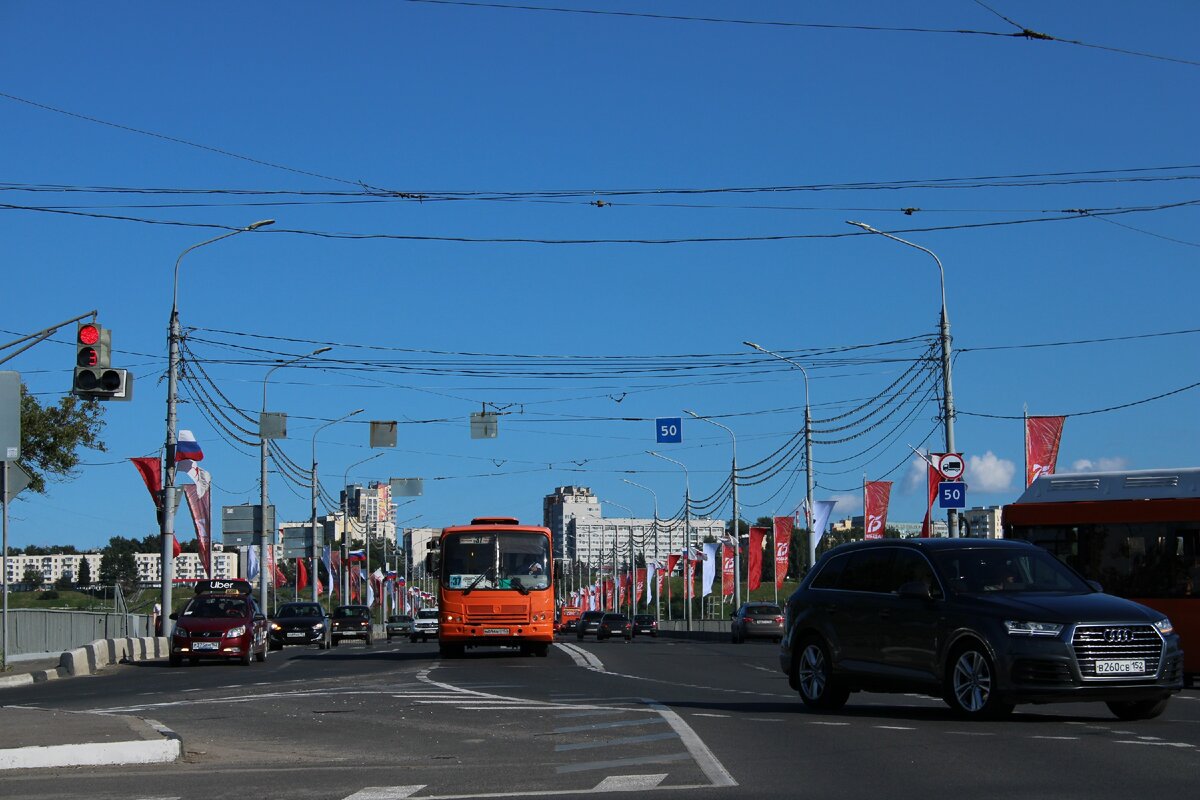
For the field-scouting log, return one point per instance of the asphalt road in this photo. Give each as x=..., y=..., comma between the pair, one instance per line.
x=394, y=721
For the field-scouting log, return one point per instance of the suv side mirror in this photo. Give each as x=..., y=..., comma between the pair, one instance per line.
x=1096, y=585
x=173, y=616
x=432, y=562
x=916, y=590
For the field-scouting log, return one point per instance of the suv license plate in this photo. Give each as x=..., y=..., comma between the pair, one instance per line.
x=1120, y=667
x=496, y=631
x=296, y=634
x=204, y=645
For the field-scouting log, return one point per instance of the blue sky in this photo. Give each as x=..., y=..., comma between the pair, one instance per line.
x=436, y=99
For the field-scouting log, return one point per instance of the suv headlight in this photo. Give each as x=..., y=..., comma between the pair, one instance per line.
x=233, y=633
x=1164, y=626
x=1022, y=628
x=275, y=626
x=320, y=626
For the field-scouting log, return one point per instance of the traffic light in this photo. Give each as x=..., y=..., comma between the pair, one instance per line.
x=95, y=379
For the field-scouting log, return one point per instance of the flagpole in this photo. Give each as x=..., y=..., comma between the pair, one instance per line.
x=1025, y=438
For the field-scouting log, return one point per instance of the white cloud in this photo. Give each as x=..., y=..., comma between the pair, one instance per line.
x=847, y=504
x=914, y=479
x=1100, y=464
x=987, y=473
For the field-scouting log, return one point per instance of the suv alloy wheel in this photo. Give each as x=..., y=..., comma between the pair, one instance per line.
x=969, y=683
x=814, y=678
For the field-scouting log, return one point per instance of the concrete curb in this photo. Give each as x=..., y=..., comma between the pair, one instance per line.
x=162, y=750
x=93, y=657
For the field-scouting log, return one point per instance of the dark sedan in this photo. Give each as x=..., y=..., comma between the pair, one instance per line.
x=299, y=623
x=588, y=623
x=351, y=622
x=984, y=624
x=757, y=621
x=645, y=623
x=614, y=625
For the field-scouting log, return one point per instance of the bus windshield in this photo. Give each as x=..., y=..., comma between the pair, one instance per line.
x=513, y=560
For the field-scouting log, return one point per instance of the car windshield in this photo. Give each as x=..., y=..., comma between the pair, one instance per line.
x=985, y=570
x=400, y=618
x=346, y=612
x=216, y=607
x=301, y=611
x=427, y=613
x=643, y=618
x=502, y=560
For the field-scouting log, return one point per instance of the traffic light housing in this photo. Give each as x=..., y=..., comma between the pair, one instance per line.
x=95, y=378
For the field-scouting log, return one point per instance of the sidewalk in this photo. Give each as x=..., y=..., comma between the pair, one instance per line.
x=32, y=738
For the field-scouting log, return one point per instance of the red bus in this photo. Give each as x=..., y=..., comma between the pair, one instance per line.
x=495, y=587
x=1136, y=533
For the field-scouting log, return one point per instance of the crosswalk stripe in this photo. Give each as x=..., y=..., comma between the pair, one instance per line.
x=629, y=783
x=386, y=792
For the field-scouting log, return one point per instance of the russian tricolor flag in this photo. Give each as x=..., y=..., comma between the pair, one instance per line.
x=187, y=448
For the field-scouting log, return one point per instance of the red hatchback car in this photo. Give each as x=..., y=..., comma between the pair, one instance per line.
x=222, y=621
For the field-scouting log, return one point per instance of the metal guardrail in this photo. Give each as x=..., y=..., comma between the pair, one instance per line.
x=44, y=631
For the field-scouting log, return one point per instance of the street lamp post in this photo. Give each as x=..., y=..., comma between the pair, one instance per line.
x=632, y=573
x=657, y=599
x=737, y=531
x=687, y=533
x=947, y=391
x=263, y=448
x=808, y=466
x=345, y=581
x=315, y=485
x=167, y=524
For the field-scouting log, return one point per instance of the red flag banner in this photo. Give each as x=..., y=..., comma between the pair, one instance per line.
x=932, y=479
x=875, y=508
x=301, y=574
x=640, y=586
x=727, y=577
x=1042, y=437
x=151, y=471
x=199, y=500
x=783, y=543
x=672, y=561
x=754, y=558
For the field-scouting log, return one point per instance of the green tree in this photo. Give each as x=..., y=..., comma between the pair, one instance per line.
x=53, y=435
x=120, y=567
x=83, y=578
x=32, y=575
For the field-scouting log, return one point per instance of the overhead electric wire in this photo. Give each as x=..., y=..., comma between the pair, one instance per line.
x=1069, y=214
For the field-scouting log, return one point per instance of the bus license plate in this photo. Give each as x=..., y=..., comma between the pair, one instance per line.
x=496, y=631
x=1122, y=667
x=204, y=645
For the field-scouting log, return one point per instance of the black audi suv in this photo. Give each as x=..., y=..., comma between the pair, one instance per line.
x=983, y=624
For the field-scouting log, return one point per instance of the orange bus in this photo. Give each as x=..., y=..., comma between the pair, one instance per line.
x=1136, y=533
x=495, y=587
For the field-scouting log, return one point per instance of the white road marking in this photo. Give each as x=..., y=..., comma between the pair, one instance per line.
x=1157, y=744
x=893, y=728
x=763, y=719
x=650, y=737
x=718, y=716
x=708, y=763
x=605, y=725
x=1058, y=738
x=385, y=792
x=834, y=724
x=629, y=783
x=626, y=762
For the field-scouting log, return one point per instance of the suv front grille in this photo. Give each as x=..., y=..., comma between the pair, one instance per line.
x=1094, y=643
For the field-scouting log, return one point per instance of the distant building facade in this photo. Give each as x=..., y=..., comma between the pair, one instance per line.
x=593, y=542
x=568, y=503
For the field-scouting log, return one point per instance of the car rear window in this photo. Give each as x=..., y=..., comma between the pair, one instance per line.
x=763, y=611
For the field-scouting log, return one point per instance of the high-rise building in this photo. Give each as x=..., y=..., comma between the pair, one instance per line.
x=566, y=504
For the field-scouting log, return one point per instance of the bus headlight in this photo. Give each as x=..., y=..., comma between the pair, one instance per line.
x=1164, y=626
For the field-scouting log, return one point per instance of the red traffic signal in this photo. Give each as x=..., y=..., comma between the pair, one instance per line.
x=88, y=333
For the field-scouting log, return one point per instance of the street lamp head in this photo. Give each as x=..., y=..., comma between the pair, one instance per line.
x=862, y=225
x=320, y=350
x=356, y=411
x=692, y=413
x=754, y=346
x=262, y=223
